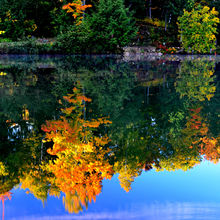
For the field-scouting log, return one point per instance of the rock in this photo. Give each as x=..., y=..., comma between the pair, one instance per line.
x=139, y=50
x=151, y=49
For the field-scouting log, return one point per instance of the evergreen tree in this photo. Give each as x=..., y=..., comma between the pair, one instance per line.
x=111, y=26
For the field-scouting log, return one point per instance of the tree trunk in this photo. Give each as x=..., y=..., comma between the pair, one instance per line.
x=83, y=3
x=166, y=20
x=150, y=2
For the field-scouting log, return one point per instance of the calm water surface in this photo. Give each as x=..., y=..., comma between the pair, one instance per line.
x=109, y=138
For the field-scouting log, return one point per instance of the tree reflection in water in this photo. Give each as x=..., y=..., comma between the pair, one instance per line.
x=73, y=153
x=4, y=197
x=81, y=155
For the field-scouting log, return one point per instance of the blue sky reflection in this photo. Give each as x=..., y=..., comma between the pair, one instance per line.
x=191, y=195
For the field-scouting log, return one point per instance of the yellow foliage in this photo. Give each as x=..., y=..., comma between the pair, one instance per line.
x=155, y=22
x=2, y=73
x=80, y=165
x=3, y=170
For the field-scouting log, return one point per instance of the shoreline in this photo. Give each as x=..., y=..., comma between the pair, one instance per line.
x=130, y=53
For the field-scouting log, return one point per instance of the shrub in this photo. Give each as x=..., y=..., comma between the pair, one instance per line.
x=76, y=40
x=111, y=26
x=60, y=21
x=160, y=36
x=4, y=40
x=198, y=28
x=16, y=26
x=30, y=46
x=155, y=22
x=107, y=30
x=166, y=50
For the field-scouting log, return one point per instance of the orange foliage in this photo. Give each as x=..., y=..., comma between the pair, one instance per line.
x=77, y=9
x=81, y=162
x=80, y=178
x=210, y=149
x=72, y=129
x=195, y=119
x=208, y=146
x=5, y=196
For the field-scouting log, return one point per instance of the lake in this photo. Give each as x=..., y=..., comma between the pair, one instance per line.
x=106, y=137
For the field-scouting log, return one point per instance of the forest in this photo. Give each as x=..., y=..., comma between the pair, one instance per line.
x=107, y=26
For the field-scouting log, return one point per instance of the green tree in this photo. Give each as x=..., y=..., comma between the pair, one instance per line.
x=198, y=28
x=111, y=26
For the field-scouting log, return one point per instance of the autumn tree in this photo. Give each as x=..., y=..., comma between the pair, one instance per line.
x=36, y=181
x=77, y=9
x=198, y=28
x=207, y=145
x=81, y=163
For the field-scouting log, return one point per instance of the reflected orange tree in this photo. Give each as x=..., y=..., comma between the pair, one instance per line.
x=207, y=145
x=196, y=83
x=185, y=141
x=78, y=156
x=81, y=161
x=4, y=197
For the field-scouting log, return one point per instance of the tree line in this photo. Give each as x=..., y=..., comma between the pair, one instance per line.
x=110, y=25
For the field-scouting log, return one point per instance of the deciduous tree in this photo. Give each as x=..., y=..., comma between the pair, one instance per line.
x=198, y=28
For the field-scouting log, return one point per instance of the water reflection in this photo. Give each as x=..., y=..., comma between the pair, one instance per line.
x=156, y=211
x=81, y=162
x=195, y=79
x=4, y=197
x=139, y=117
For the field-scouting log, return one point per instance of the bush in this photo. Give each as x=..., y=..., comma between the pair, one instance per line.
x=60, y=21
x=198, y=28
x=160, y=36
x=111, y=26
x=76, y=40
x=4, y=40
x=107, y=30
x=16, y=26
x=30, y=46
x=155, y=22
